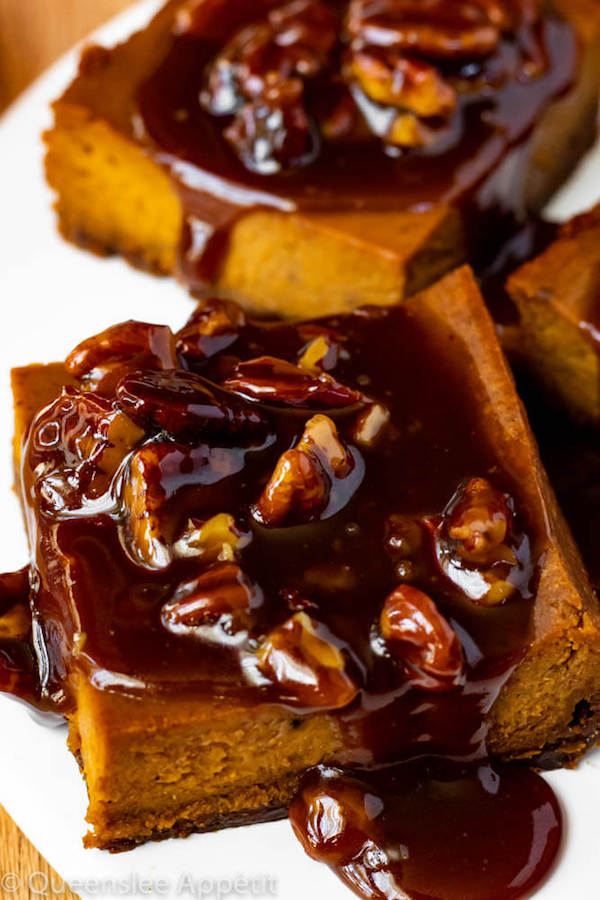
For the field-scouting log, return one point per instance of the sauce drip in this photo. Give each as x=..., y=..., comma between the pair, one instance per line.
x=431, y=830
x=18, y=669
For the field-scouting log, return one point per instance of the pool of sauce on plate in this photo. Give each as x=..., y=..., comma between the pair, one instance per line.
x=479, y=169
x=416, y=777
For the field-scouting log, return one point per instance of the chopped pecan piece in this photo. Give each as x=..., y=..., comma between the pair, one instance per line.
x=319, y=355
x=76, y=446
x=370, y=425
x=300, y=488
x=418, y=634
x=475, y=544
x=184, y=405
x=480, y=522
x=101, y=360
x=277, y=381
x=213, y=327
x=392, y=79
x=305, y=666
x=217, y=538
x=216, y=604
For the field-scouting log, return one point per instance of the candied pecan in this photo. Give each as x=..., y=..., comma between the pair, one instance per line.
x=332, y=819
x=222, y=596
x=441, y=28
x=217, y=538
x=156, y=471
x=370, y=425
x=101, y=360
x=212, y=328
x=474, y=543
x=259, y=79
x=278, y=381
x=300, y=488
x=399, y=51
x=391, y=79
x=143, y=495
x=294, y=40
x=480, y=522
x=273, y=130
x=184, y=405
x=297, y=488
x=319, y=355
x=416, y=632
x=305, y=665
x=75, y=447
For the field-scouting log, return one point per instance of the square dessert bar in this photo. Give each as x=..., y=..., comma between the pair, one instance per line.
x=260, y=546
x=558, y=298
x=304, y=146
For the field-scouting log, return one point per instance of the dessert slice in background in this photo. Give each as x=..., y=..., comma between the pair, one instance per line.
x=558, y=298
x=258, y=547
x=314, y=147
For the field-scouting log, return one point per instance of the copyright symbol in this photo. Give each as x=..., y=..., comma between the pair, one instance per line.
x=10, y=883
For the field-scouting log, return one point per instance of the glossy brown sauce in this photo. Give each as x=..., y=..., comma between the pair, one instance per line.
x=208, y=437
x=431, y=829
x=18, y=669
x=479, y=167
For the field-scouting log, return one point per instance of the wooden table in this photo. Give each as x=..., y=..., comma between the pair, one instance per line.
x=33, y=33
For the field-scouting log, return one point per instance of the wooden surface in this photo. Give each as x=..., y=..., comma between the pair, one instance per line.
x=33, y=33
x=23, y=872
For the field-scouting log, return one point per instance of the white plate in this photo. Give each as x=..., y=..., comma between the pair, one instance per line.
x=52, y=296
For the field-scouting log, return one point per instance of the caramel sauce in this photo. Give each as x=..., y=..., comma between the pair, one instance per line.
x=18, y=669
x=479, y=166
x=431, y=829
x=126, y=609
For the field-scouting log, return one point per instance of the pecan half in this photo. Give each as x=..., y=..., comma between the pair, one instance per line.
x=213, y=327
x=76, y=446
x=305, y=666
x=143, y=495
x=157, y=470
x=280, y=382
x=101, y=360
x=332, y=818
x=215, y=605
x=273, y=131
x=300, y=488
x=259, y=79
x=418, y=634
x=391, y=79
x=184, y=405
x=400, y=50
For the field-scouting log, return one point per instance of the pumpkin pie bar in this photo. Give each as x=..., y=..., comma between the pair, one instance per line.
x=260, y=546
x=340, y=152
x=558, y=298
